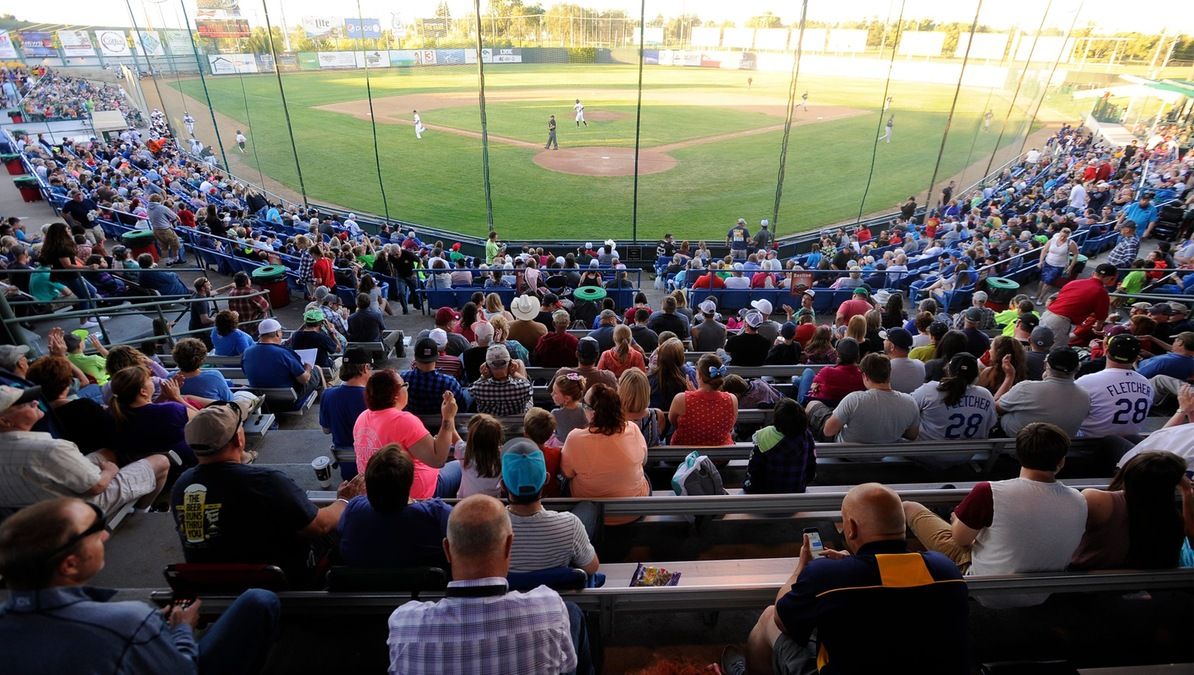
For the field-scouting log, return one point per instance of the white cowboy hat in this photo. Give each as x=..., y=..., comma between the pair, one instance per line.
x=525, y=308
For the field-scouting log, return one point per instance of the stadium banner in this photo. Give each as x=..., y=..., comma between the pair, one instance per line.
x=7, y=50
x=373, y=58
x=921, y=43
x=223, y=28
x=705, y=37
x=651, y=57
x=774, y=38
x=449, y=57
x=989, y=46
x=288, y=62
x=334, y=60
x=846, y=41
x=76, y=43
x=212, y=7
x=425, y=57
x=403, y=57
x=265, y=62
x=740, y=38
x=369, y=29
x=149, y=43
x=179, y=42
x=814, y=39
x=113, y=43
x=231, y=64
x=318, y=26
x=37, y=44
x=435, y=27
x=711, y=59
x=499, y=55
x=308, y=61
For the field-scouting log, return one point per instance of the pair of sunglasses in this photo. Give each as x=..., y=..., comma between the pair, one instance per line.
x=100, y=525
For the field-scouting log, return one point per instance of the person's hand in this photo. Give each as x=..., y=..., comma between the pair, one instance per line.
x=484, y=370
x=94, y=340
x=788, y=310
x=55, y=342
x=108, y=467
x=351, y=488
x=180, y=613
x=170, y=391
x=448, y=408
x=307, y=367
x=1009, y=369
x=1185, y=399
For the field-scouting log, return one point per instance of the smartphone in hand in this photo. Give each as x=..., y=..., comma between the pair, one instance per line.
x=817, y=548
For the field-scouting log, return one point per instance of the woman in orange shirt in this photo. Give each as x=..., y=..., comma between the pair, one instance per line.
x=606, y=458
x=624, y=355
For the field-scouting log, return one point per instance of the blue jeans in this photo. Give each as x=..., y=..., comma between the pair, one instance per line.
x=448, y=483
x=806, y=383
x=589, y=516
x=82, y=290
x=580, y=640
x=240, y=640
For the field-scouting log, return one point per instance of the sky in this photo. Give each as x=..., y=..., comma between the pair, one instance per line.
x=1145, y=16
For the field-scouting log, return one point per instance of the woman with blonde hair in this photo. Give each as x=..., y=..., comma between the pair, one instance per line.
x=705, y=416
x=494, y=307
x=501, y=336
x=635, y=392
x=624, y=355
x=856, y=328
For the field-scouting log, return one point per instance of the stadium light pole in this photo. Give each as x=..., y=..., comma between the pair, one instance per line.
x=783, y=146
x=285, y=109
x=638, y=120
x=206, y=94
x=949, y=120
x=484, y=121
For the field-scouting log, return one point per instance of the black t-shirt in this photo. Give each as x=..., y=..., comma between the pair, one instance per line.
x=313, y=339
x=645, y=338
x=471, y=359
x=784, y=354
x=84, y=423
x=747, y=349
x=241, y=513
x=365, y=325
x=199, y=310
x=78, y=210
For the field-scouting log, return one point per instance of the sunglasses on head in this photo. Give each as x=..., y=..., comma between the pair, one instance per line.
x=100, y=525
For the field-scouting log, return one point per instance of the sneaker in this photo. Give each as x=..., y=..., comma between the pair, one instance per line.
x=90, y=323
x=733, y=661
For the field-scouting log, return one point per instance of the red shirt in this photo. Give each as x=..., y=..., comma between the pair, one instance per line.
x=322, y=271
x=1089, y=173
x=555, y=350
x=832, y=383
x=1104, y=171
x=864, y=235
x=1082, y=298
x=704, y=281
x=759, y=280
x=804, y=333
x=186, y=217
x=852, y=307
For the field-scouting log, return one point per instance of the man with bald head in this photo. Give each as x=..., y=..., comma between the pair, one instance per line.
x=849, y=612
x=481, y=626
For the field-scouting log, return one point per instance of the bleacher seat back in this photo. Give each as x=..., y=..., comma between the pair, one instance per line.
x=555, y=578
x=192, y=579
x=413, y=580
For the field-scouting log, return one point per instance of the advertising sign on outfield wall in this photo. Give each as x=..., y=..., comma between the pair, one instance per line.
x=500, y=55
x=403, y=57
x=113, y=43
x=7, y=49
x=362, y=28
x=846, y=41
x=288, y=62
x=334, y=60
x=449, y=57
x=37, y=44
x=318, y=26
x=223, y=28
x=425, y=57
x=989, y=46
x=178, y=42
x=373, y=58
x=308, y=61
x=265, y=62
x=231, y=64
x=76, y=43
x=149, y=43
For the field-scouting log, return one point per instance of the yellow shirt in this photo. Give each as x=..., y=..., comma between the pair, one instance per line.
x=924, y=353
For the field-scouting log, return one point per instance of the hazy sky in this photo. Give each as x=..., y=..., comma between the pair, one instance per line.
x=1145, y=16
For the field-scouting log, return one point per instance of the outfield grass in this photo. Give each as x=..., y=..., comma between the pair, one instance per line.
x=438, y=181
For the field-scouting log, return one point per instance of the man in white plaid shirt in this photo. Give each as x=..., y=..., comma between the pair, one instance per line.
x=480, y=627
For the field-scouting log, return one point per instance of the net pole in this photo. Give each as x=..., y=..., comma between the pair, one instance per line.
x=140, y=45
x=484, y=121
x=1045, y=89
x=244, y=97
x=1012, y=105
x=895, y=47
x=273, y=49
x=791, y=111
x=373, y=122
x=949, y=120
x=203, y=80
x=638, y=121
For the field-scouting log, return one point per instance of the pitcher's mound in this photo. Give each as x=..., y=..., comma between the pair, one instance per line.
x=604, y=161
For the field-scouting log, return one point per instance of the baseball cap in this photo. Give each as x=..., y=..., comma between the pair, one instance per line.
x=497, y=356
x=268, y=326
x=313, y=316
x=1105, y=269
x=1029, y=321
x=1179, y=308
x=1063, y=360
x=357, y=357
x=754, y=319
x=847, y=348
x=963, y=364
x=426, y=351
x=708, y=307
x=974, y=314
x=809, y=292
x=72, y=341
x=10, y=396
x=588, y=348
x=788, y=330
x=1042, y=336
x=440, y=336
x=898, y=337
x=1117, y=329
x=1123, y=348
x=1141, y=305
x=862, y=290
x=764, y=306
x=524, y=470
x=10, y=354
x=445, y=315
x=214, y=426
x=1161, y=308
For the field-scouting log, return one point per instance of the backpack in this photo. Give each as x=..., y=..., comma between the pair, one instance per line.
x=697, y=475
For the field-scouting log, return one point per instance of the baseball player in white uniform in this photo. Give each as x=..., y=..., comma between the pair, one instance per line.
x=580, y=113
x=190, y=122
x=419, y=128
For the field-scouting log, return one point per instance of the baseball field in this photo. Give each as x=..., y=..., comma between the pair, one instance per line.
x=709, y=144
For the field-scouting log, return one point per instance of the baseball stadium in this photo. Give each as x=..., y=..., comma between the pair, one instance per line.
x=500, y=337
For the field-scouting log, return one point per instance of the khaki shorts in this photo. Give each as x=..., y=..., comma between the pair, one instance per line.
x=129, y=484
x=167, y=240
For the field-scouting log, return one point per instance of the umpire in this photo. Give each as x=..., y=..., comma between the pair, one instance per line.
x=551, y=134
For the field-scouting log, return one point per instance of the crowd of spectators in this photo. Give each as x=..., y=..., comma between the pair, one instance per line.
x=52, y=95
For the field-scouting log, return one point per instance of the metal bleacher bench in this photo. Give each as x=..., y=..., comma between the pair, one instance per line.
x=776, y=372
